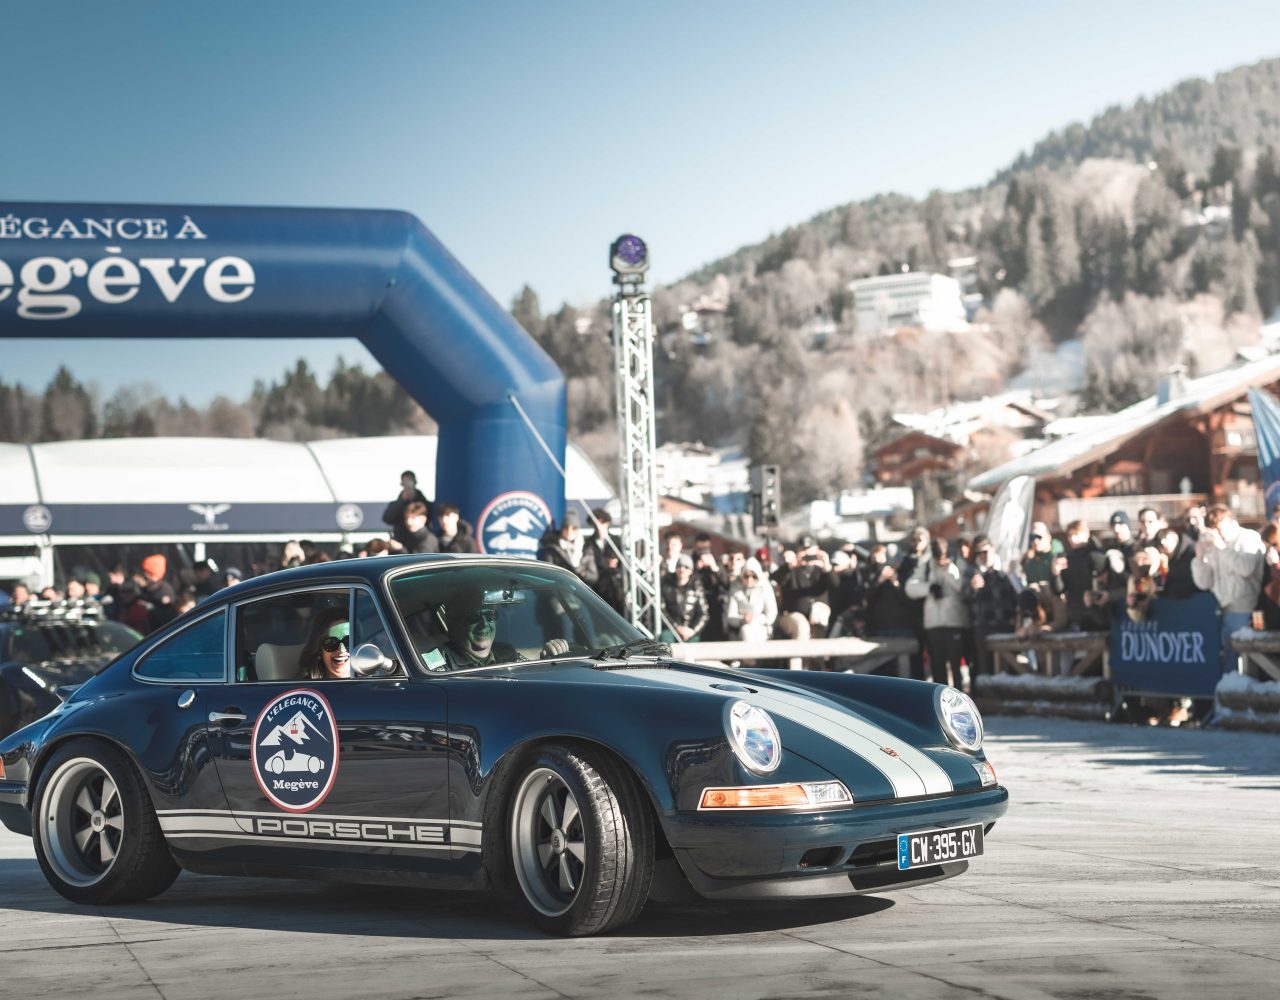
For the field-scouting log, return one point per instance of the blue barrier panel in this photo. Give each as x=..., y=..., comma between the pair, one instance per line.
x=1176, y=651
x=113, y=271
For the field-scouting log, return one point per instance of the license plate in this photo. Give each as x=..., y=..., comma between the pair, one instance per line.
x=933, y=847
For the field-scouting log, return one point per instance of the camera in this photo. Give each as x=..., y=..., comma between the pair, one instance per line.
x=935, y=589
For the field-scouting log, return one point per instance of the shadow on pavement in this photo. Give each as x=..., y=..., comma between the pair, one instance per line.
x=377, y=911
x=1206, y=753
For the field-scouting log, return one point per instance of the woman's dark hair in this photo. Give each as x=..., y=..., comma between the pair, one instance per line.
x=309, y=660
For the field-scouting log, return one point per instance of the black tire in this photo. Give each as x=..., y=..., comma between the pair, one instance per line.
x=72, y=842
x=610, y=869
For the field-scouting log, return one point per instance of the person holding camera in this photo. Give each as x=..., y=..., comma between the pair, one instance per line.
x=993, y=602
x=938, y=583
x=715, y=587
x=1083, y=579
x=1230, y=561
x=806, y=589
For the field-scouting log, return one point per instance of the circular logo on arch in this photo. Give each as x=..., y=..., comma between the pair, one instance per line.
x=513, y=524
x=37, y=518
x=349, y=516
x=295, y=750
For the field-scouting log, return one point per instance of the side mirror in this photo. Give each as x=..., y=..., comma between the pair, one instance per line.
x=368, y=661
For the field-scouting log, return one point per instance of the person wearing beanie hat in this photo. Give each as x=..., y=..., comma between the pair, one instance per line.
x=1119, y=551
x=752, y=607
x=154, y=567
x=157, y=592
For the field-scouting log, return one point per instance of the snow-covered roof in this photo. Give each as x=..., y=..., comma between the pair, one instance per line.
x=1098, y=439
x=959, y=421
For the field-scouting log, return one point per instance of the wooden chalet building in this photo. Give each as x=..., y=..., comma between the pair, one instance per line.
x=1193, y=442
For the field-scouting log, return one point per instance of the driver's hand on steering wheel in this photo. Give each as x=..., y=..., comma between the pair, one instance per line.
x=555, y=647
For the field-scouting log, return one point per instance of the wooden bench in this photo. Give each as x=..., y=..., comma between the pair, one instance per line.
x=1258, y=652
x=1065, y=647
x=864, y=655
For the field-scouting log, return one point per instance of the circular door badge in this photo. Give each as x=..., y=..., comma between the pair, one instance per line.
x=295, y=750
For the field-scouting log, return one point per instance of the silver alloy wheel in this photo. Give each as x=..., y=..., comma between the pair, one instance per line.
x=82, y=822
x=548, y=845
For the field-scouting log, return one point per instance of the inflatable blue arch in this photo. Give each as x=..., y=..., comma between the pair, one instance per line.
x=112, y=271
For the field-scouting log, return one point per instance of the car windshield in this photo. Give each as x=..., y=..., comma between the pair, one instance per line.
x=470, y=616
x=70, y=641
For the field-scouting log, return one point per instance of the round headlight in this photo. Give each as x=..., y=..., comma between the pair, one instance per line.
x=960, y=718
x=754, y=737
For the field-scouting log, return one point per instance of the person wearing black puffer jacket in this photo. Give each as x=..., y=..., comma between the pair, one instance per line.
x=456, y=535
x=683, y=604
x=993, y=603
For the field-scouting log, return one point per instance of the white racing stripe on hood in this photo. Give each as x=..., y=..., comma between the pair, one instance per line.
x=911, y=773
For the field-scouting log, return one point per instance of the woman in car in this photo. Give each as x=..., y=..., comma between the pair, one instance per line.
x=327, y=654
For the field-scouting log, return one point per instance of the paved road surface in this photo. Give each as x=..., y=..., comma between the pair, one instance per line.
x=1133, y=863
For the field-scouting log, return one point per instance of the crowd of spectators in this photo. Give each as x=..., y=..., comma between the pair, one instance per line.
x=952, y=596
x=949, y=596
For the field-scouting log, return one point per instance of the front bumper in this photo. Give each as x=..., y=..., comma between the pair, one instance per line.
x=760, y=855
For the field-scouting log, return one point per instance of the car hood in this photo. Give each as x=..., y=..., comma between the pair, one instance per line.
x=885, y=755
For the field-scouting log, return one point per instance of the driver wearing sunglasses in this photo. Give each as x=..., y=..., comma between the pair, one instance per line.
x=473, y=631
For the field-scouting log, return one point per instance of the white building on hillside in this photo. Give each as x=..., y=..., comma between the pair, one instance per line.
x=916, y=298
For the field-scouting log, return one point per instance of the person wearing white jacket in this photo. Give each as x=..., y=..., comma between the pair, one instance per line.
x=946, y=616
x=752, y=607
x=1229, y=562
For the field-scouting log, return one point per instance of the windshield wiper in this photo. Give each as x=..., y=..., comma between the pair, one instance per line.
x=637, y=647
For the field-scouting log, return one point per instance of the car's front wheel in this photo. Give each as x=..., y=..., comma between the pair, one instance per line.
x=581, y=841
x=96, y=835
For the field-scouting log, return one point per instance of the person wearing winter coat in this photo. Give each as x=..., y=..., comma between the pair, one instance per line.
x=938, y=584
x=993, y=603
x=600, y=568
x=456, y=535
x=393, y=513
x=1229, y=561
x=752, y=607
x=683, y=604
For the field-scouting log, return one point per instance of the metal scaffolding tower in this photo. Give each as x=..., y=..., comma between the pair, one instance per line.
x=637, y=479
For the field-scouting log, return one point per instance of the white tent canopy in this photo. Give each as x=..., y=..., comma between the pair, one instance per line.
x=221, y=489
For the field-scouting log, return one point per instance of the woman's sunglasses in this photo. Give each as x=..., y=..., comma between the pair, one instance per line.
x=330, y=643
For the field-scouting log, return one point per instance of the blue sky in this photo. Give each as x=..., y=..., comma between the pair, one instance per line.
x=528, y=135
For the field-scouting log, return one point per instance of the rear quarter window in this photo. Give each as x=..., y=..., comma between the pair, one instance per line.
x=197, y=653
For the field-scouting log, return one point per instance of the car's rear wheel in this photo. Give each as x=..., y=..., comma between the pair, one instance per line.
x=581, y=841
x=96, y=835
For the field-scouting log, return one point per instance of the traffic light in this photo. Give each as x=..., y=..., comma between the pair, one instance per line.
x=766, y=495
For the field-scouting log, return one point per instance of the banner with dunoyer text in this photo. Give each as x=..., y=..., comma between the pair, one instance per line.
x=1176, y=651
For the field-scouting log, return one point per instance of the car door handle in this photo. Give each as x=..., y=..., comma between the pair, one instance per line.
x=231, y=715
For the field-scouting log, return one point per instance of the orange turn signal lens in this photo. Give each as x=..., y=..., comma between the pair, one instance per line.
x=759, y=797
x=776, y=796
x=1, y=769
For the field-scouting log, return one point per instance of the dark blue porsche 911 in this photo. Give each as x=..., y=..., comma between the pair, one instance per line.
x=467, y=722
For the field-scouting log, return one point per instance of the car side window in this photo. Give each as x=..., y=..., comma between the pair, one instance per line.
x=277, y=637
x=197, y=653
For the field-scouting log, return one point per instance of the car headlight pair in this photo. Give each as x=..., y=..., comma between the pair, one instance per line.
x=960, y=718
